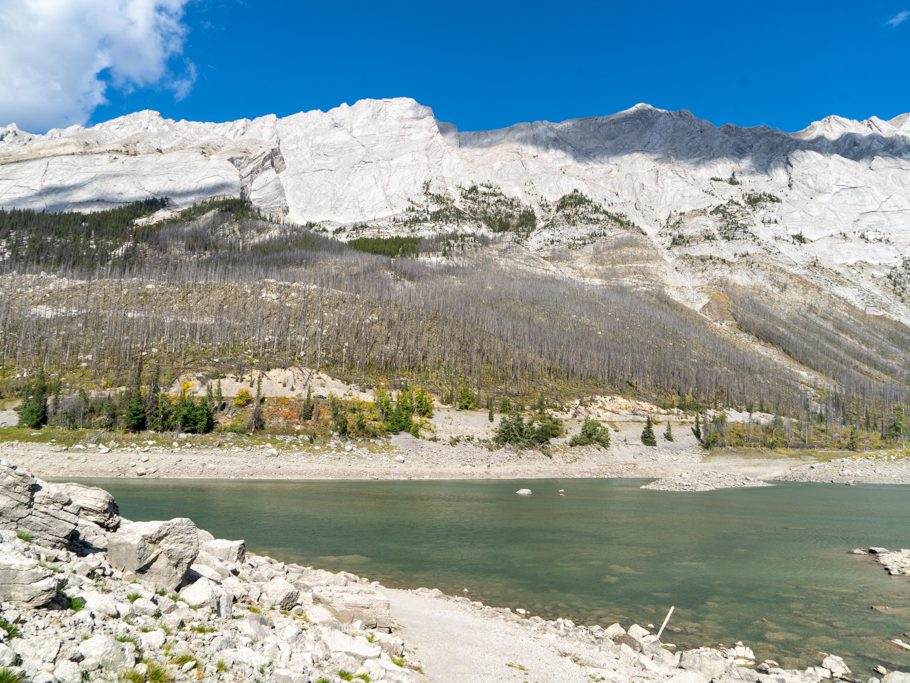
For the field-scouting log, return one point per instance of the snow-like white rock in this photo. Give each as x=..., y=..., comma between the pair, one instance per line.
x=842, y=215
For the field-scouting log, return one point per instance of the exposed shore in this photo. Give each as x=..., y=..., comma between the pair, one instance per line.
x=674, y=467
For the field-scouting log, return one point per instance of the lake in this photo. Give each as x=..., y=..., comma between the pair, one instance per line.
x=768, y=566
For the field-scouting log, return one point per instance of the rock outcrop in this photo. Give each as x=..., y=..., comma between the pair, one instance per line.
x=55, y=515
x=157, y=553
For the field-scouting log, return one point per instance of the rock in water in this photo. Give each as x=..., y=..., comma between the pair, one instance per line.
x=836, y=666
x=157, y=553
x=523, y=492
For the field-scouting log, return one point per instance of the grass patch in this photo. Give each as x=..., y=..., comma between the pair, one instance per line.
x=24, y=536
x=61, y=437
x=184, y=658
x=157, y=673
x=11, y=630
x=202, y=628
x=76, y=604
x=9, y=676
x=133, y=597
x=397, y=661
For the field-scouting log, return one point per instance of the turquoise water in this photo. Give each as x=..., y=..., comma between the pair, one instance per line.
x=768, y=566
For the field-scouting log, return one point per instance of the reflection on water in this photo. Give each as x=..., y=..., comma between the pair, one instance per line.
x=768, y=566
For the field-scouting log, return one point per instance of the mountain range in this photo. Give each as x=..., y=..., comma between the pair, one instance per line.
x=829, y=204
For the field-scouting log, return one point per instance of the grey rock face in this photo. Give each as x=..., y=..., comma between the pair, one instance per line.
x=24, y=582
x=280, y=593
x=205, y=592
x=227, y=551
x=158, y=554
x=90, y=503
x=708, y=662
x=356, y=603
x=54, y=515
x=103, y=651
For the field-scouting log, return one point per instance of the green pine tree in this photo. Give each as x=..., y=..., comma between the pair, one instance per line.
x=592, y=433
x=696, y=429
x=668, y=433
x=33, y=410
x=185, y=414
x=134, y=416
x=423, y=403
x=647, y=434
x=896, y=427
x=406, y=399
x=204, y=414
x=151, y=399
x=257, y=421
x=307, y=412
x=853, y=440
x=165, y=413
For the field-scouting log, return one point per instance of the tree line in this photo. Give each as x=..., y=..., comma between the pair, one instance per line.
x=85, y=298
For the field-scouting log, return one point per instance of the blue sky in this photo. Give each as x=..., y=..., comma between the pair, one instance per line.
x=489, y=64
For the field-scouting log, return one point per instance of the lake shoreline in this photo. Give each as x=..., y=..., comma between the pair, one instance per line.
x=240, y=614
x=669, y=468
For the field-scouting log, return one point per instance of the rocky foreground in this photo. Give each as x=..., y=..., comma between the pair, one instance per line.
x=88, y=595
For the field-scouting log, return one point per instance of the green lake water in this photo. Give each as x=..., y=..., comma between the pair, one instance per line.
x=768, y=566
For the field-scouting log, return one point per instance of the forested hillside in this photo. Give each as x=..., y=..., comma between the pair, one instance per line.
x=221, y=290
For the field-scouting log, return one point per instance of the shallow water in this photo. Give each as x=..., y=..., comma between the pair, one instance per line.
x=768, y=566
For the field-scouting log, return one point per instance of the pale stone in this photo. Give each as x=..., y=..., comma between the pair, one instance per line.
x=279, y=593
x=25, y=583
x=157, y=553
x=231, y=552
x=835, y=665
x=103, y=651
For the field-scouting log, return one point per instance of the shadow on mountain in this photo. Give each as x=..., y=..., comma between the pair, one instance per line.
x=679, y=136
x=56, y=198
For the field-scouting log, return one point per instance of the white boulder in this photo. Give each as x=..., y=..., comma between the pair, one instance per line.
x=157, y=553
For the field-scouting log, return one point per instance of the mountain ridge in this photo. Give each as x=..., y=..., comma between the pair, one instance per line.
x=830, y=203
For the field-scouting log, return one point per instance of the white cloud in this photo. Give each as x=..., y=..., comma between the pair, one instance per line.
x=899, y=19
x=57, y=57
